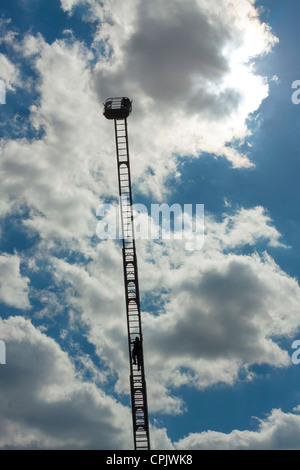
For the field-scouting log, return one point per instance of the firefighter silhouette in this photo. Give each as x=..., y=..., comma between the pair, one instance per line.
x=137, y=352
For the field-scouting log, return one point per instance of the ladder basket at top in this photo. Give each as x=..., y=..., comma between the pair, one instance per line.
x=117, y=108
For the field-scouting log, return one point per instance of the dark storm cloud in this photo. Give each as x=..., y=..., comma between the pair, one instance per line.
x=169, y=51
x=174, y=56
x=219, y=316
x=42, y=398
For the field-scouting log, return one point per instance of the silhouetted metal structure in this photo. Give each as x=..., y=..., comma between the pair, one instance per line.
x=118, y=109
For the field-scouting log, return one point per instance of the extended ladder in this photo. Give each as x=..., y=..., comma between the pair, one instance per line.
x=137, y=373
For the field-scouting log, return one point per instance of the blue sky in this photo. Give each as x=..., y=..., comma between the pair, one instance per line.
x=213, y=123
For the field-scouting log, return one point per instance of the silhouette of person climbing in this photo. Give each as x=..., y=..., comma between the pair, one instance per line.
x=137, y=352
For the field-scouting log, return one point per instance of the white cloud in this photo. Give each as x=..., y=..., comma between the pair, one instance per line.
x=67, y=5
x=221, y=317
x=45, y=405
x=279, y=431
x=9, y=73
x=244, y=227
x=55, y=176
x=220, y=311
x=177, y=79
x=14, y=288
x=188, y=67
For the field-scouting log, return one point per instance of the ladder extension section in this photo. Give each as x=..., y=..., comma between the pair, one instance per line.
x=137, y=372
